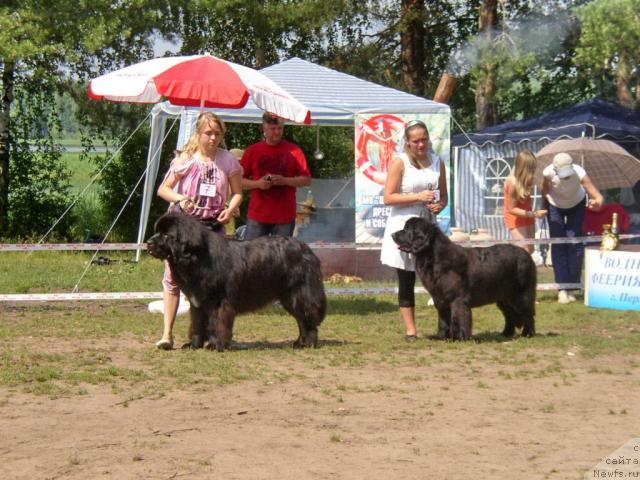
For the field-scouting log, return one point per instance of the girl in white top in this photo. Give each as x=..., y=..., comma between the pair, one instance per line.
x=416, y=180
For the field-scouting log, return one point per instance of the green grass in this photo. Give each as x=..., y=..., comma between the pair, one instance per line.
x=82, y=171
x=49, y=272
x=69, y=140
x=64, y=348
x=73, y=141
x=88, y=207
x=86, y=338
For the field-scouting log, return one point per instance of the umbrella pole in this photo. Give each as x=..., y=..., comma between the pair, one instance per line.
x=582, y=165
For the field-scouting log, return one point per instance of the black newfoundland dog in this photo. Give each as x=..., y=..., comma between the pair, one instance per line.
x=223, y=278
x=460, y=278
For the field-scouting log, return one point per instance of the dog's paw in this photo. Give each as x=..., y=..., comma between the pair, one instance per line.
x=302, y=344
x=309, y=341
x=526, y=332
x=437, y=336
x=508, y=332
x=197, y=341
x=210, y=344
x=215, y=343
x=464, y=336
x=461, y=335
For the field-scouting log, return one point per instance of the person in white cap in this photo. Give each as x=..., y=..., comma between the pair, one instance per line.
x=565, y=186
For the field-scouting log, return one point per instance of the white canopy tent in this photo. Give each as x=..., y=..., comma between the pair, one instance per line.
x=334, y=99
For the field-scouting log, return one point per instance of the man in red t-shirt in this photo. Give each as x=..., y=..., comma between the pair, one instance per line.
x=272, y=170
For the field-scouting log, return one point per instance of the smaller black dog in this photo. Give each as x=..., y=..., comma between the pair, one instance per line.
x=460, y=278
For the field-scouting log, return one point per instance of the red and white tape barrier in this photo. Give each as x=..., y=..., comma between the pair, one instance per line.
x=65, y=297
x=31, y=247
x=61, y=297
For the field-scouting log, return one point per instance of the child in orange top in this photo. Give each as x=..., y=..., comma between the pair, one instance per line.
x=519, y=216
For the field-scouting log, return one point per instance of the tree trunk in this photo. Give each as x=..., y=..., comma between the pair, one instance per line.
x=623, y=83
x=485, y=90
x=412, y=46
x=5, y=142
x=485, y=93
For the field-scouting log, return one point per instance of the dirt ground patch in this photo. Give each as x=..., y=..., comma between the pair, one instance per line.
x=447, y=419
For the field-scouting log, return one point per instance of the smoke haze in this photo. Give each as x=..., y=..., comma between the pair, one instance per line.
x=517, y=39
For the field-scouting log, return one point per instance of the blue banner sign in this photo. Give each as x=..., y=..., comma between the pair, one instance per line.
x=612, y=278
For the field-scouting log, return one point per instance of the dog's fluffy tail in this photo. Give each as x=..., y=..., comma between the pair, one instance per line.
x=305, y=299
x=317, y=306
x=526, y=271
x=527, y=278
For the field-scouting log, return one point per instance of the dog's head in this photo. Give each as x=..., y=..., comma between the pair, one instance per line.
x=176, y=235
x=418, y=233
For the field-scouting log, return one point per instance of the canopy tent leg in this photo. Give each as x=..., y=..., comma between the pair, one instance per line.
x=158, y=126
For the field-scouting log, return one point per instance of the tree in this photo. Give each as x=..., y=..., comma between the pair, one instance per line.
x=406, y=44
x=259, y=33
x=46, y=45
x=412, y=46
x=486, y=79
x=541, y=75
x=523, y=67
x=610, y=45
x=20, y=38
x=39, y=188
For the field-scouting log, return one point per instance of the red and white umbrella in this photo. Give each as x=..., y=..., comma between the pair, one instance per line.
x=197, y=80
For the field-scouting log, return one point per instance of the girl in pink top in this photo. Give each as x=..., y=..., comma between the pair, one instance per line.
x=198, y=183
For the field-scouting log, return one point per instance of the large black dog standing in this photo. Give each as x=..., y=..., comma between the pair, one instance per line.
x=460, y=278
x=223, y=278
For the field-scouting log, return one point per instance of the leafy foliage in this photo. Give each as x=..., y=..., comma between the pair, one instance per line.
x=259, y=33
x=532, y=54
x=609, y=46
x=336, y=145
x=39, y=180
x=45, y=46
x=122, y=182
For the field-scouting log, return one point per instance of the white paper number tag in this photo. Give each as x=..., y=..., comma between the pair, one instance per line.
x=207, y=190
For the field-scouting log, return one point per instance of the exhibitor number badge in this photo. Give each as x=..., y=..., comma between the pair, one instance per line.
x=207, y=190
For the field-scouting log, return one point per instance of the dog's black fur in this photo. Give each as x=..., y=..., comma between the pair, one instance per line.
x=223, y=278
x=460, y=278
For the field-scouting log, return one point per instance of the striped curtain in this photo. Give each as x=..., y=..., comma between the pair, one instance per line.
x=478, y=185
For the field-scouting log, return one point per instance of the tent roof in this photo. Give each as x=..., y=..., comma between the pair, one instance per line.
x=593, y=118
x=334, y=98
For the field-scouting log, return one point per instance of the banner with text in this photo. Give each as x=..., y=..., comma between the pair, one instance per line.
x=612, y=278
x=378, y=138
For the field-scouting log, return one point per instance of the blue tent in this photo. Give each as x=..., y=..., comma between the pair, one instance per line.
x=594, y=118
x=482, y=160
